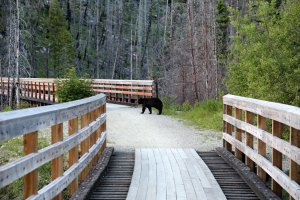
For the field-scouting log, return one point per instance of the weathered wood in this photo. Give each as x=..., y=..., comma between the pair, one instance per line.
x=57, y=167
x=16, y=169
x=261, y=146
x=73, y=154
x=172, y=174
x=228, y=127
x=30, y=186
x=57, y=186
x=23, y=121
x=280, y=177
x=238, y=133
x=249, y=118
x=294, y=172
x=84, y=145
x=277, y=156
x=289, y=115
x=276, y=143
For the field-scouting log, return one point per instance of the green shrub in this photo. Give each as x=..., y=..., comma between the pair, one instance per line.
x=73, y=88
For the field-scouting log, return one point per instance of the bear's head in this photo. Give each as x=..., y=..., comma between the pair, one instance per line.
x=141, y=101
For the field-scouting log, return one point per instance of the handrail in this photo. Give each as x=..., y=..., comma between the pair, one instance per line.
x=91, y=138
x=43, y=89
x=240, y=130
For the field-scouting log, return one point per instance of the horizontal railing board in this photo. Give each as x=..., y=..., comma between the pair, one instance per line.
x=126, y=87
x=124, y=92
x=24, y=121
x=286, y=114
x=282, y=146
x=17, y=169
x=58, y=185
x=281, y=178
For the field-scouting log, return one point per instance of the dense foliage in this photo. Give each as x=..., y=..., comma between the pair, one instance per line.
x=73, y=88
x=265, y=52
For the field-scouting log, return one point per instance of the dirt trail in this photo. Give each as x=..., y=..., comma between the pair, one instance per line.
x=128, y=129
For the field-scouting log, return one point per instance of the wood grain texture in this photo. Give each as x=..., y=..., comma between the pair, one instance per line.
x=294, y=167
x=30, y=186
x=166, y=174
x=238, y=133
x=289, y=115
x=57, y=167
x=279, y=176
x=73, y=154
x=277, y=156
x=261, y=146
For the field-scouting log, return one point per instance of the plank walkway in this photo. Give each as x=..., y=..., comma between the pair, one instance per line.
x=172, y=174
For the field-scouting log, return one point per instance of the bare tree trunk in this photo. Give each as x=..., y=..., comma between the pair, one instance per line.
x=97, y=41
x=166, y=21
x=191, y=30
x=131, y=51
x=17, y=42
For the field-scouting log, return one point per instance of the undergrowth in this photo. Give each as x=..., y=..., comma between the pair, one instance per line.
x=203, y=115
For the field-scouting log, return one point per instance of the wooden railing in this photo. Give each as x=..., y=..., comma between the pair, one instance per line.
x=90, y=139
x=255, y=128
x=43, y=90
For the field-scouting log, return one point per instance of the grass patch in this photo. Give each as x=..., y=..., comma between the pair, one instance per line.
x=204, y=115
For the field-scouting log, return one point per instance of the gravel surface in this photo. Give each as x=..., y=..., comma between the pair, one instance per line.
x=128, y=129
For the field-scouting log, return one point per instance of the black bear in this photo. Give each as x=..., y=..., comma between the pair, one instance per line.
x=149, y=103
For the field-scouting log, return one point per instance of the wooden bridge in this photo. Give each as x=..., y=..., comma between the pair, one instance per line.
x=42, y=90
x=261, y=147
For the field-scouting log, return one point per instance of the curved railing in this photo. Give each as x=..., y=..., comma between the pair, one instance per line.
x=90, y=138
x=255, y=129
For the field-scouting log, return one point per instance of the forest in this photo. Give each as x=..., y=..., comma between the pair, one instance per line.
x=196, y=49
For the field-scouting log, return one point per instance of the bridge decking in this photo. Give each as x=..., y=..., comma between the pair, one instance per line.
x=172, y=174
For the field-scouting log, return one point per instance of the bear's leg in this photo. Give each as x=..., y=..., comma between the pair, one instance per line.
x=143, y=110
x=159, y=110
x=150, y=109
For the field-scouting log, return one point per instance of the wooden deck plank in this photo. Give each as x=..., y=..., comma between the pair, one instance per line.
x=160, y=178
x=179, y=174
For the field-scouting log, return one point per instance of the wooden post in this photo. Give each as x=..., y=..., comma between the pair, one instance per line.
x=249, y=138
x=49, y=92
x=228, y=127
x=53, y=91
x=238, y=134
x=57, y=164
x=44, y=92
x=294, y=167
x=40, y=94
x=73, y=154
x=30, y=181
x=31, y=87
x=276, y=156
x=35, y=90
x=261, y=123
x=84, y=145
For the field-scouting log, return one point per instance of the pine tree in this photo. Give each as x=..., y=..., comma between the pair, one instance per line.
x=60, y=40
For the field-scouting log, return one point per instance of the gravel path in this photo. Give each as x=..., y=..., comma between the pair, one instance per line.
x=128, y=129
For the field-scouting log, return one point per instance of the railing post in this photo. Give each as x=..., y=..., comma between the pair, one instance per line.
x=35, y=90
x=261, y=123
x=228, y=127
x=294, y=167
x=238, y=134
x=84, y=145
x=40, y=94
x=44, y=92
x=57, y=164
x=276, y=156
x=30, y=181
x=249, y=118
x=73, y=154
x=53, y=92
x=49, y=91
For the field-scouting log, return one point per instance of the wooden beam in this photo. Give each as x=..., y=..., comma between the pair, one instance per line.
x=84, y=145
x=30, y=181
x=261, y=146
x=276, y=157
x=238, y=134
x=57, y=167
x=249, y=118
x=73, y=154
x=228, y=127
x=294, y=167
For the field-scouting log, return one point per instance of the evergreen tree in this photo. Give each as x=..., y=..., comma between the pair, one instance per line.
x=60, y=40
x=265, y=54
